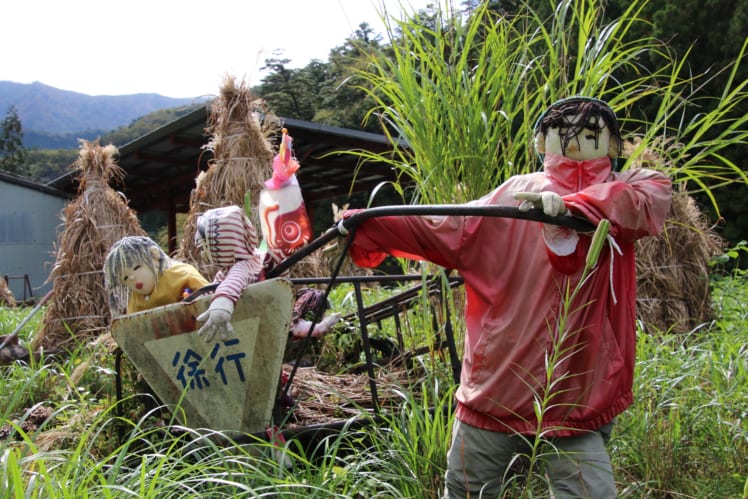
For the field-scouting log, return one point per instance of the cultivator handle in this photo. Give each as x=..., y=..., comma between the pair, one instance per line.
x=537, y=215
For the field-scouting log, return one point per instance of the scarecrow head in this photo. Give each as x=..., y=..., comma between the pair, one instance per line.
x=133, y=263
x=579, y=128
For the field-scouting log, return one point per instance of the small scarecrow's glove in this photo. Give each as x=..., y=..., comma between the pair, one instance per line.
x=217, y=320
x=551, y=203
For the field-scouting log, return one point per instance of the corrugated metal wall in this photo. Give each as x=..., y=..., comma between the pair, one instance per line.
x=29, y=225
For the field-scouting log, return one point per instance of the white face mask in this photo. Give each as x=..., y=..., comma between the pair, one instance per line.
x=592, y=142
x=139, y=279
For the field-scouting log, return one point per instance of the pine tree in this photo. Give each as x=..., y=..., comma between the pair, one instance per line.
x=12, y=152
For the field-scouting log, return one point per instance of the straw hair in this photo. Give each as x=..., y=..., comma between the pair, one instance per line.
x=128, y=252
x=124, y=255
x=79, y=308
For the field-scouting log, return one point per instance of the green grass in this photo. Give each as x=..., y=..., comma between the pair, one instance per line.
x=685, y=436
x=464, y=97
x=687, y=430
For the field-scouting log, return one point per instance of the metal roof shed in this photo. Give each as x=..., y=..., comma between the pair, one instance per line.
x=161, y=167
x=29, y=225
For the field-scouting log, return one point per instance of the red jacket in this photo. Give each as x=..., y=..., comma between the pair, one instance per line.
x=514, y=287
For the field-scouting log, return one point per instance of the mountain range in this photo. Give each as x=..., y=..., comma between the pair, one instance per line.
x=52, y=118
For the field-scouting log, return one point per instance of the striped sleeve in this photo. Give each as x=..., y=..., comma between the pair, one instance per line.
x=238, y=277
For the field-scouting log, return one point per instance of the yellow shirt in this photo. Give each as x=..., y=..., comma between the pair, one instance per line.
x=169, y=288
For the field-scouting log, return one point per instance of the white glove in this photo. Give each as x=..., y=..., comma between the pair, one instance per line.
x=300, y=328
x=551, y=202
x=218, y=318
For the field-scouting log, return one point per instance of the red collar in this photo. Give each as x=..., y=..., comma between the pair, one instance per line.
x=576, y=175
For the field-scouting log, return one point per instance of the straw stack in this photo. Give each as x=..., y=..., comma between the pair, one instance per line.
x=79, y=309
x=673, y=267
x=6, y=295
x=240, y=129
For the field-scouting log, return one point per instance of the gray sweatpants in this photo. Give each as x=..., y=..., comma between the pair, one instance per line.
x=478, y=460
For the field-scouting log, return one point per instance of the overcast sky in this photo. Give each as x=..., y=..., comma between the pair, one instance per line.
x=176, y=48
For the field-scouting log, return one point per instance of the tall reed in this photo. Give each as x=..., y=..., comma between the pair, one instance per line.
x=460, y=95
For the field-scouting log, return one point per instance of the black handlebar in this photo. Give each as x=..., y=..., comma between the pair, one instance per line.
x=575, y=223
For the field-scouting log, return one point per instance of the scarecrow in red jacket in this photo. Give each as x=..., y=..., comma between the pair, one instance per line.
x=516, y=273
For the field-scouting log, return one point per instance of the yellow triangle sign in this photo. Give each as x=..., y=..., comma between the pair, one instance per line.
x=223, y=385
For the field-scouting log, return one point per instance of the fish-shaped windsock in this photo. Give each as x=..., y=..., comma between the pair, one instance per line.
x=284, y=164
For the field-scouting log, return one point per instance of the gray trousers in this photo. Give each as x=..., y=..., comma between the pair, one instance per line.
x=478, y=462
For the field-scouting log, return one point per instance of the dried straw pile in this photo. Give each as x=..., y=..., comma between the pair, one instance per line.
x=673, y=270
x=673, y=267
x=6, y=295
x=78, y=309
x=240, y=129
x=324, y=398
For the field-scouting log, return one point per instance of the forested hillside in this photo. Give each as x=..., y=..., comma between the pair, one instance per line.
x=46, y=164
x=54, y=118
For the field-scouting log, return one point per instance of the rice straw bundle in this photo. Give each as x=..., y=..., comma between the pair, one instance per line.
x=79, y=309
x=324, y=398
x=6, y=295
x=673, y=267
x=240, y=129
